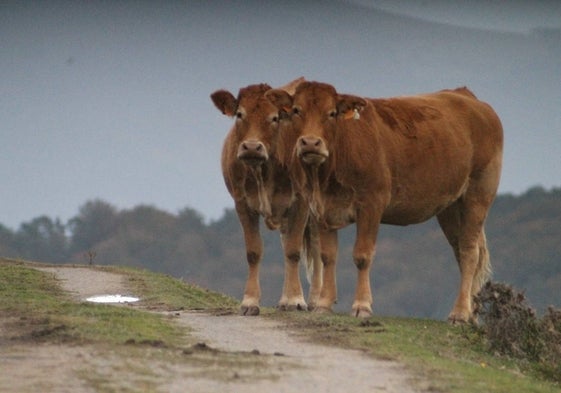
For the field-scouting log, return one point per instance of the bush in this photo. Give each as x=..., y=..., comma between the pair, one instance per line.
x=512, y=328
x=551, y=330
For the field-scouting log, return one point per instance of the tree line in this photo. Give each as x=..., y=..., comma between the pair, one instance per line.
x=414, y=272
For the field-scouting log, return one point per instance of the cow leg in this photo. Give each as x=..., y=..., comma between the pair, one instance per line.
x=363, y=254
x=314, y=263
x=328, y=293
x=254, y=252
x=292, y=237
x=292, y=297
x=462, y=223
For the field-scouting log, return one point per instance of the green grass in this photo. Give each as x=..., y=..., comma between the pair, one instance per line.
x=445, y=358
x=43, y=312
x=165, y=292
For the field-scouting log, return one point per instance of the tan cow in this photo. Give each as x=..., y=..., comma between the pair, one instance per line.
x=260, y=186
x=395, y=161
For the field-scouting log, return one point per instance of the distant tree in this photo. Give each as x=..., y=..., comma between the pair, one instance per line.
x=190, y=220
x=6, y=241
x=42, y=239
x=95, y=222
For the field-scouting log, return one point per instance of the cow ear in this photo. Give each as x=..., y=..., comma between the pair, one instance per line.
x=225, y=102
x=290, y=87
x=280, y=98
x=350, y=106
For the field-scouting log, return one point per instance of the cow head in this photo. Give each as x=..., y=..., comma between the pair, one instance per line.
x=256, y=121
x=316, y=111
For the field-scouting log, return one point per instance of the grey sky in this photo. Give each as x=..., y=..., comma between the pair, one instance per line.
x=111, y=99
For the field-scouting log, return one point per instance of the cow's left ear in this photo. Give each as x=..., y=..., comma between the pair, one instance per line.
x=350, y=106
x=280, y=98
x=225, y=102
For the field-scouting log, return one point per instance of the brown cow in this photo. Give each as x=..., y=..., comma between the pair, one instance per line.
x=260, y=186
x=395, y=161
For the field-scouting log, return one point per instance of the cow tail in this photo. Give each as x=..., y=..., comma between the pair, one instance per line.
x=306, y=254
x=312, y=254
x=484, y=270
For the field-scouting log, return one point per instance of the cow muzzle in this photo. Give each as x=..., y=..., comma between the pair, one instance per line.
x=252, y=152
x=311, y=150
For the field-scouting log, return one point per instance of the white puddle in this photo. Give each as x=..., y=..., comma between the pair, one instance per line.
x=112, y=299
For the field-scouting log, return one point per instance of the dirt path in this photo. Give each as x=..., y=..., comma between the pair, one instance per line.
x=292, y=365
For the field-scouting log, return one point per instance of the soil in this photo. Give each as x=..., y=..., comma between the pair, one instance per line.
x=287, y=363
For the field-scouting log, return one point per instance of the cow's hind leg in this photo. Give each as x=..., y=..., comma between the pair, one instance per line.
x=314, y=264
x=328, y=294
x=462, y=223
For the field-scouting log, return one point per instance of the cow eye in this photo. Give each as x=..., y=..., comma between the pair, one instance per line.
x=239, y=115
x=275, y=119
x=333, y=114
x=295, y=111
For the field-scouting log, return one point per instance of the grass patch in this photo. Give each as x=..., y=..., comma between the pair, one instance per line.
x=160, y=291
x=38, y=310
x=445, y=358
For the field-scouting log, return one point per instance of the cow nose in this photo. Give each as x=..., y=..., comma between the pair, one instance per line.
x=312, y=150
x=252, y=146
x=311, y=142
x=252, y=151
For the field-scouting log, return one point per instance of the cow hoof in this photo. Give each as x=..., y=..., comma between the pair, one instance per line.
x=322, y=310
x=456, y=322
x=361, y=313
x=293, y=307
x=458, y=319
x=249, y=311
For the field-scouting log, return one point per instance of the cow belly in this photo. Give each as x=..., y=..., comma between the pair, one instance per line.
x=408, y=216
x=336, y=218
x=407, y=208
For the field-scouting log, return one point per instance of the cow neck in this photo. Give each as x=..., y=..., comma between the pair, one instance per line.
x=262, y=194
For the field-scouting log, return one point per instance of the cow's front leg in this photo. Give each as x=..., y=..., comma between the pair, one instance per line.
x=363, y=254
x=254, y=252
x=292, y=297
x=292, y=236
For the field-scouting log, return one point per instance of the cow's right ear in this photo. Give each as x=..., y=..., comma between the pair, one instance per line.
x=280, y=98
x=225, y=102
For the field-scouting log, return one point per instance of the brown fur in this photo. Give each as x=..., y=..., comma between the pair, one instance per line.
x=402, y=162
x=260, y=186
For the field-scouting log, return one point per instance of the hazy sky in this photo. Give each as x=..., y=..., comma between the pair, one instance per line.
x=110, y=99
x=507, y=15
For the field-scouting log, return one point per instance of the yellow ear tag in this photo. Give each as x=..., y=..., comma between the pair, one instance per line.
x=352, y=115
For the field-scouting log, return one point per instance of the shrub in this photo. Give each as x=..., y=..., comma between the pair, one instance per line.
x=512, y=328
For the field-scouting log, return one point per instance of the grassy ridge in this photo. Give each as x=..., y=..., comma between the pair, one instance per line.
x=445, y=358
